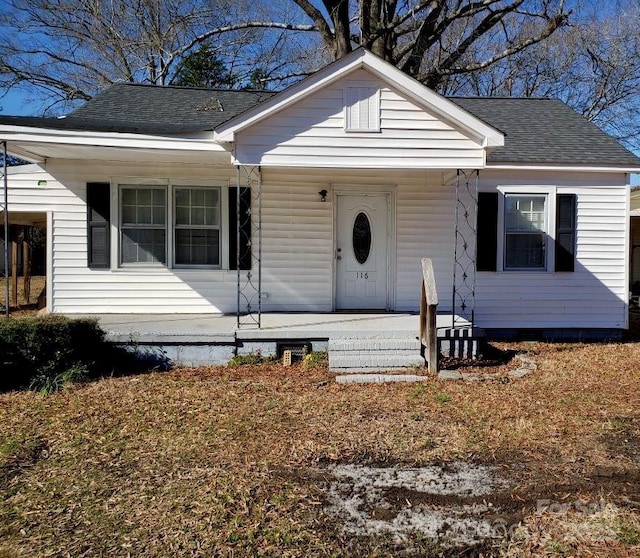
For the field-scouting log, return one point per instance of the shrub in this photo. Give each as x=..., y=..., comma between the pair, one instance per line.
x=44, y=352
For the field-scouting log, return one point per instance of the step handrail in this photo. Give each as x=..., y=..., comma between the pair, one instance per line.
x=428, y=307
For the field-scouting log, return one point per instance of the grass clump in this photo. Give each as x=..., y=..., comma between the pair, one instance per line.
x=628, y=531
x=251, y=359
x=315, y=360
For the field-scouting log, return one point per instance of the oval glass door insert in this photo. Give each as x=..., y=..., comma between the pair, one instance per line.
x=361, y=237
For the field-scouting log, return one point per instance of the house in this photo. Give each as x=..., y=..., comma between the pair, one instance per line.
x=635, y=242
x=326, y=196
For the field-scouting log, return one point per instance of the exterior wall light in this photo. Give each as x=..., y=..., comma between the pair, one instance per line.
x=323, y=195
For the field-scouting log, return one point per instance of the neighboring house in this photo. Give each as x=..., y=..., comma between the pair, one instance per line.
x=356, y=173
x=635, y=241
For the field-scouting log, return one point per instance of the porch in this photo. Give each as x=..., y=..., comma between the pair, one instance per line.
x=200, y=339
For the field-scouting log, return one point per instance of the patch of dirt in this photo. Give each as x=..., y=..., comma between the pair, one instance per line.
x=464, y=507
x=491, y=357
x=624, y=440
x=28, y=455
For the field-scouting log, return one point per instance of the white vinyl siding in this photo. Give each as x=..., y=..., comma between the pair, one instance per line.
x=298, y=251
x=595, y=294
x=312, y=133
x=151, y=289
x=298, y=248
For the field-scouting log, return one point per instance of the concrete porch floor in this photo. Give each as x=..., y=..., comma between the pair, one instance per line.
x=215, y=328
x=202, y=339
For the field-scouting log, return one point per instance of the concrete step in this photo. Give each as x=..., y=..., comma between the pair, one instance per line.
x=345, y=344
x=379, y=378
x=374, y=360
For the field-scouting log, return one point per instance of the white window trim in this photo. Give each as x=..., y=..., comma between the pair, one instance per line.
x=169, y=184
x=349, y=129
x=550, y=212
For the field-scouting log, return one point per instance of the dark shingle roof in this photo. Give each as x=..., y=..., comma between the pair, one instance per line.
x=172, y=109
x=545, y=131
x=537, y=131
x=151, y=109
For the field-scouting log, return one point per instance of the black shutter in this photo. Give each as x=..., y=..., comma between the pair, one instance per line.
x=487, y=241
x=98, y=225
x=565, y=232
x=245, y=228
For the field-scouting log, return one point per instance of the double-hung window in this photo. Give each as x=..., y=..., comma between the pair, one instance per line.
x=168, y=224
x=197, y=226
x=525, y=231
x=143, y=225
x=534, y=230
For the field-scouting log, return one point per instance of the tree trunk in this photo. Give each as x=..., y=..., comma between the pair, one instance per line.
x=339, y=13
x=377, y=31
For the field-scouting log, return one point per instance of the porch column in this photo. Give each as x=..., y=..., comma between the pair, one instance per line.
x=464, y=252
x=249, y=246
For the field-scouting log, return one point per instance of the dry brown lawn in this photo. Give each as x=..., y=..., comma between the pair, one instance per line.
x=228, y=461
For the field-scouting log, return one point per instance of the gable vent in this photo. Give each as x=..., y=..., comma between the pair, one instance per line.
x=362, y=108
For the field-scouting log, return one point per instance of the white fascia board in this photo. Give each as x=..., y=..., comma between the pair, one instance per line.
x=431, y=100
x=327, y=75
x=361, y=58
x=23, y=136
x=569, y=168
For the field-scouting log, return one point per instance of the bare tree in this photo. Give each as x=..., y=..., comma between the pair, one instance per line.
x=593, y=66
x=432, y=39
x=67, y=50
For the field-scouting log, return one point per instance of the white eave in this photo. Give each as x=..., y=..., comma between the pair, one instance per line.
x=35, y=144
x=488, y=136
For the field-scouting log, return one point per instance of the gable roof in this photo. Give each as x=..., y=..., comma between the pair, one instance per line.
x=363, y=59
x=545, y=131
x=536, y=131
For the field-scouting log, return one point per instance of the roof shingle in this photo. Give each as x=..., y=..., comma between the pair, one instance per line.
x=541, y=131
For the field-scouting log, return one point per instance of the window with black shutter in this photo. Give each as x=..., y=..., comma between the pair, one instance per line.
x=98, y=225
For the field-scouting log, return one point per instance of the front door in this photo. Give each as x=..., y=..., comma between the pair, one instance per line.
x=362, y=252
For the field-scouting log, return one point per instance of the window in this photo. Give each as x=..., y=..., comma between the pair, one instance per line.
x=362, y=108
x=532, y=231
x=143, y=221
x=197, y=226
x=525, y=231
x=176, y=224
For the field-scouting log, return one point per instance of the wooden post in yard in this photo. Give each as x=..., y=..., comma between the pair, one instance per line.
x=26, y=267
x=14, y=271
x=428, y=312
